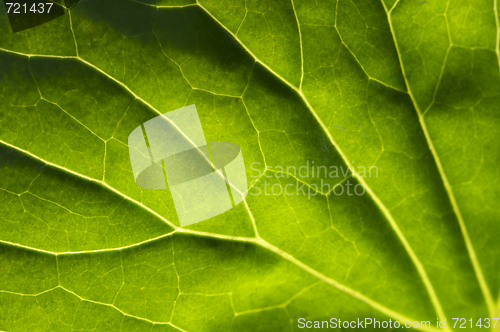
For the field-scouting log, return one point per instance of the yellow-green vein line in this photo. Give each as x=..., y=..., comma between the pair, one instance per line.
x=468, y=243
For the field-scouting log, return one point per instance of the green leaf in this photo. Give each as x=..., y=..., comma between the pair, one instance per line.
x=406, y=89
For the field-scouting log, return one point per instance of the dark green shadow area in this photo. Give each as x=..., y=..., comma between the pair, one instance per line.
x=12, y=158
x=70, y=3
x=32, y=13
x=209, y=56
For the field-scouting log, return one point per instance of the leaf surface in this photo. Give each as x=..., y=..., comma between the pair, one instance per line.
x=407, y=89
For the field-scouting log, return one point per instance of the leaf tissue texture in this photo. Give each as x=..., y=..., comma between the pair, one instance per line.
x=409, y=88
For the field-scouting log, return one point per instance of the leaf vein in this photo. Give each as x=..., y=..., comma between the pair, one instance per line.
x=379, y=203
x=449, y=190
